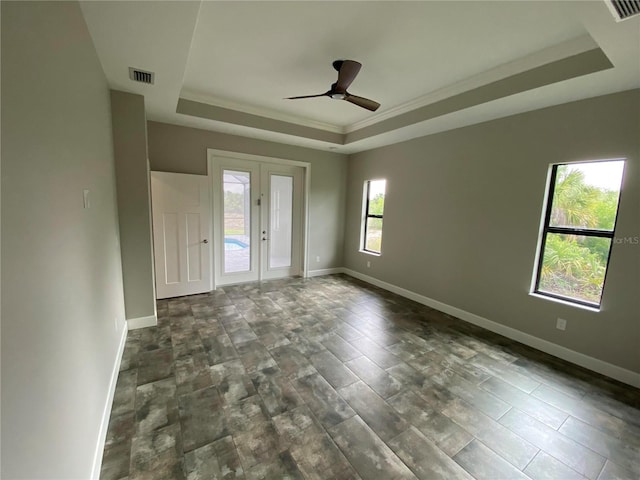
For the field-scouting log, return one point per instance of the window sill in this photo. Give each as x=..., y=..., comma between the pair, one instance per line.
x=565, y=302
x=366, y=252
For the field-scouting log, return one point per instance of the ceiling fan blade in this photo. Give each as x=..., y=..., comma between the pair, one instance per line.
x=362, y=102
x=347, y=71
x=307, y=96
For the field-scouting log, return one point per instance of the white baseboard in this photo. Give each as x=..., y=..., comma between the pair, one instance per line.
x=325, y=271
x=142, y=322
x=618, y=373
x=106, y=413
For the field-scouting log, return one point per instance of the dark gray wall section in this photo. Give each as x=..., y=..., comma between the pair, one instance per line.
x=184, y=150
x=134, y=204
x=463, y=211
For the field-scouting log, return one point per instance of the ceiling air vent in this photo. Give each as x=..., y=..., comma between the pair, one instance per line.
x=141, y=76
x=624, y=8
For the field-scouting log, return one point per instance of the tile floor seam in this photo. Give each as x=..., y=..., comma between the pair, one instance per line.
x=583, y=445
x=565, y=421
x=475, y=437
x=338, y=446
x=573, y=469
x=463, y=447
x=602, y=469
x=511, y=407
x=571, y=440
x=532, y=459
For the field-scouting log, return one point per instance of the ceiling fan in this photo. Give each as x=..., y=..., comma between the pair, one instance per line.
x=347, y=71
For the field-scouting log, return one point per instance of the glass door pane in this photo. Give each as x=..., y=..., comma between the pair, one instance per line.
x=258, y=220
x=280, y=221
x=237, y=221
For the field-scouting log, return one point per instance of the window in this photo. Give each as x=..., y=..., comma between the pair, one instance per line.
x=373, y=210
x=578, y=229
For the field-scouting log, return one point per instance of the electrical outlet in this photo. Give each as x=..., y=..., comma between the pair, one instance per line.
x=318, y=258
x=368, y=264
x=561, y=324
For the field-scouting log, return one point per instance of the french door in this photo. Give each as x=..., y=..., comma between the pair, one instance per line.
x=257, y=220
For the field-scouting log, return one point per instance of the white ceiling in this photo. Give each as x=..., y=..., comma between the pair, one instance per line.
x=247, y=56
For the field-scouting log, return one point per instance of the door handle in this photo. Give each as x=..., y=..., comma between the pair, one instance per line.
x=205, y=241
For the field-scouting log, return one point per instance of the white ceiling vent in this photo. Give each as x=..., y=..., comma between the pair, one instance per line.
x=622, y=9
x=141, y=76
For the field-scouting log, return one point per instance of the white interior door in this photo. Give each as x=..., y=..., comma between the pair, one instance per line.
x=181, y=216
x=258, y=210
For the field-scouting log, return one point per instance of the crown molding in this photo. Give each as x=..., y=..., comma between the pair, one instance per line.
x=259, y=111
x=560, y=51
x=554, y=53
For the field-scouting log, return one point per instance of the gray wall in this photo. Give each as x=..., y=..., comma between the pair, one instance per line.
x=184, y=150
x=134, y=203
x=62, y=305
x=463, y=210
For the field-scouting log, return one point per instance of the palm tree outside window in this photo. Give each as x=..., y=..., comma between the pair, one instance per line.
x=578, y=230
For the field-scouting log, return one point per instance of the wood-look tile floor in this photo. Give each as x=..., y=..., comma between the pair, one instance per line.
x=331, y=378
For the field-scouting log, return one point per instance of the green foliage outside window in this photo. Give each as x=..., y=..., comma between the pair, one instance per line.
x=373, y=215
x=233, y=202
x=234, y=205
x=574, y=265
x=376, y=205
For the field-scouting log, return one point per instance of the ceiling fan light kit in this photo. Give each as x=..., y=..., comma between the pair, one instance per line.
x=347, y=71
